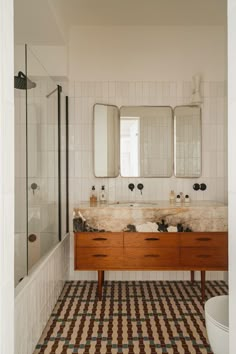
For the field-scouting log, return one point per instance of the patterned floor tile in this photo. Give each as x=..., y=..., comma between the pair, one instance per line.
x=133, y=317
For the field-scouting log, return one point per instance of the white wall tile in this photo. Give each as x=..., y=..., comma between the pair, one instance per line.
x=37, y=295
x=214, y=153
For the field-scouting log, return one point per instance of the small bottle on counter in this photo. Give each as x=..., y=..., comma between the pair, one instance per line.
x=178, y=199
x=172, y=196
x=93, y=196
x=103, y=197
x=187, y=198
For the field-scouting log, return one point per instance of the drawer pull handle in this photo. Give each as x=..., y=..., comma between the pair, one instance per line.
x=100, y=255
x=99, y=239
x=152, y=255
x=203, y=256
x=152, y=239
x=203, y=239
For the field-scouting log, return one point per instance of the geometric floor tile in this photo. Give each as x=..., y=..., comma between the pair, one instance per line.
x=138, y=317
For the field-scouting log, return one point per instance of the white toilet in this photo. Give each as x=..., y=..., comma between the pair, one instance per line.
x=217, y=323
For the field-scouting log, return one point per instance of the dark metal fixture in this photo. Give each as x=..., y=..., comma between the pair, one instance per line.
x=59, y=90
x=34, y=186
x=67, y=164
x=52, y=92
x=131, y=186
x=32, y=238
x=196, y=186
x=21, y=82
x=140, y=186
x=203, y=186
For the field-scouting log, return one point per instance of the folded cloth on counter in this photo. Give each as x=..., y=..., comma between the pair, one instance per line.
x=147, y=227
x=172, y=229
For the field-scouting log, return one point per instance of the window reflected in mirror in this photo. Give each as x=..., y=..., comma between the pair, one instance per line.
x=146, y=141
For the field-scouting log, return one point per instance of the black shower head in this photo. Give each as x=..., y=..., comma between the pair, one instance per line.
x=21, y=82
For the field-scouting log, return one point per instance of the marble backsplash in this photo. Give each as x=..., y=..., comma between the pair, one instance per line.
x=197, y=216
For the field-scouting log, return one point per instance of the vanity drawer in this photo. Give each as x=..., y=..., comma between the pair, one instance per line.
x=97, y=258
x=150, y=239
x=150, y=258
x=204, y=257
x=99, y=239
x=204, y=239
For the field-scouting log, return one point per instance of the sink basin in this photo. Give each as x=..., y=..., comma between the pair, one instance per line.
x=134, y=205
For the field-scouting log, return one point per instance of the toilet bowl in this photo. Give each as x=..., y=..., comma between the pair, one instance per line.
x=217, y=323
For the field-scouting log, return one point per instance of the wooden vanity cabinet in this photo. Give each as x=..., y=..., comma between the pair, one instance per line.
x=98, y=250
x=150, y=251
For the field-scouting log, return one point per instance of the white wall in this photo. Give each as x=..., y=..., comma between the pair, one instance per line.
x=147, y=53
x=232, y=168
x=48, y=60
x=147, y=66
x=6, y=178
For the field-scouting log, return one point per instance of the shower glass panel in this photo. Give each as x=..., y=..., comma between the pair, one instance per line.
x=42, y=161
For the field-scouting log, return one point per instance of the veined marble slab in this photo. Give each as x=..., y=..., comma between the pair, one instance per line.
x=198, y=216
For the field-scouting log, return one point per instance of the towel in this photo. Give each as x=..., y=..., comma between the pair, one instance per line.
x=147, y=227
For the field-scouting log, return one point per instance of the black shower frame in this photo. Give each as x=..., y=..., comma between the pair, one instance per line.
x=59, y=161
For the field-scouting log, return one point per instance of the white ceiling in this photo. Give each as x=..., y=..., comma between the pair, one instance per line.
x=48, y=21
x=143, y=12
x=36, y=22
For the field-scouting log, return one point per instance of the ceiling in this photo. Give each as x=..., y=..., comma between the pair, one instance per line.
x=36, y=22
x=48, y=21
x=143, y=12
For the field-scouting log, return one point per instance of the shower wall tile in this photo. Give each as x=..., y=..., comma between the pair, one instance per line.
x=36, y=296
x=214, y=141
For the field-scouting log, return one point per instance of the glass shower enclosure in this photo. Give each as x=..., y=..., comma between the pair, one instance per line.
x=41, y=198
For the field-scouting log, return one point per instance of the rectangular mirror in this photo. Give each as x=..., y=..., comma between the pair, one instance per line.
x=106, y=140
x=146, y=141
x=187, y=141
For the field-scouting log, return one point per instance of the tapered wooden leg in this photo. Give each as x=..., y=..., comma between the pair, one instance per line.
x=100, y=281
x=192, y=276
x=102, y=277
x=203, y=280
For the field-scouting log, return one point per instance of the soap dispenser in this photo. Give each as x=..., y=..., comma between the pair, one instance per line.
x=103, y=198
x=93, y=196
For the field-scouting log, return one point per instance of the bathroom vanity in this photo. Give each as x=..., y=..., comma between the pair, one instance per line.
x=115, y=249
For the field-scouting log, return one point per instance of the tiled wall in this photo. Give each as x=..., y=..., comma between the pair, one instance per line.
x=83, y=95
x=37, y=295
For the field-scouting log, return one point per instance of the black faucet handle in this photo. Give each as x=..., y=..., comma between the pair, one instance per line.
x=131, y=186
x=196, y=186
x=203, y=186
x=140, y=186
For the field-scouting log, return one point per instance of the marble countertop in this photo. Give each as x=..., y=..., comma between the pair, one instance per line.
x=163, y=204
x=196, y=215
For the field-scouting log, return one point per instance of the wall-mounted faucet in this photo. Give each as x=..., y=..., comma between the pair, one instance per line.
x=140, y=186
x=34, y=187
x=131, y=186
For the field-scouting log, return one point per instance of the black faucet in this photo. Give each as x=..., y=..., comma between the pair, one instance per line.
x=140, y=186
x=131, y=186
